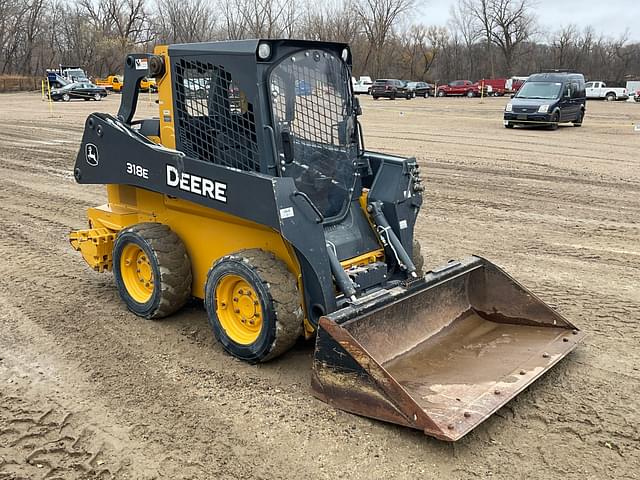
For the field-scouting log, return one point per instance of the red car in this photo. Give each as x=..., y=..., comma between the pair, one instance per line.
x=460, y=87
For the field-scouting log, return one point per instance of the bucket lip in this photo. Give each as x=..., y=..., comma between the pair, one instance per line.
x=479, y=410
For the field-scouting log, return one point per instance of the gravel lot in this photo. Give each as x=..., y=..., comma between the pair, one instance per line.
x=88, y=390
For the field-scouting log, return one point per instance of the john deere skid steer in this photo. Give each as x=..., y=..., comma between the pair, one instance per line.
x=253, y=191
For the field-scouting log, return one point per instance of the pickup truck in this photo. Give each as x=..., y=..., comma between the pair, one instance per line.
x=362, y=86
x=112, y=82
x=460, y=87
x=600, y=90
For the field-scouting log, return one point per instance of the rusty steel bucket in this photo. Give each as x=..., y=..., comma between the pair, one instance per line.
x=442, y=354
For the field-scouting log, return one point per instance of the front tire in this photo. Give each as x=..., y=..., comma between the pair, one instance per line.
x=97, y=97
x=66, y=97
x=442, y=94
x=555, y=120
x=509, y=125
x=152, y=270
x=470, y=94
x=253, y=305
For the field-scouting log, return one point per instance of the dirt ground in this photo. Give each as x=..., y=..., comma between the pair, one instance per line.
x=88, y=390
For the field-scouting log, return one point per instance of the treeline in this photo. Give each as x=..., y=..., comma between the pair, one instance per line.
x=484, y=38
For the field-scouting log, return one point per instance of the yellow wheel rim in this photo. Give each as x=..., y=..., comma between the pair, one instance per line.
x=137, y=273
x=238, y=309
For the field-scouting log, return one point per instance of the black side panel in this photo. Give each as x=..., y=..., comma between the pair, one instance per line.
x=353, y=236
x=113, y=153
x=394, y=184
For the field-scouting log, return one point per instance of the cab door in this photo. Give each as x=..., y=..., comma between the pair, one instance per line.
x=592, y=89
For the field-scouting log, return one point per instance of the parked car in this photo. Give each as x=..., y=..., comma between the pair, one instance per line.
x=363, y=85
x=460, y=87
x=84, y=90
x=548, y=99
x=390, y=88
x=600, y=90
x=420, y=89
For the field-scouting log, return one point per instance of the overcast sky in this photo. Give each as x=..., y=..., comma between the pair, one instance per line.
x=609, y=17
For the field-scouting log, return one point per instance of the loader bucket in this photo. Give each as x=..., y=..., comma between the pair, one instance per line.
x=442, y=354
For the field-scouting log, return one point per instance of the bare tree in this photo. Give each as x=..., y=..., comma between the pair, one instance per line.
x=378, y=18
x=470, y=29
x=513, y=25
x=563, y=43
x=185, y=21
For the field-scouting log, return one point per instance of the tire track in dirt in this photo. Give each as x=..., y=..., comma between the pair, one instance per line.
x=161, y=399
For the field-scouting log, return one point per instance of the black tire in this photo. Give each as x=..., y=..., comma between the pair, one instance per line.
x=610, y=97
x=441, y=93
x=169, y=262
x=417, y=258
x=368, y=91
x=66, y=97
x=375, y=98
x=470, y=94
x=555, y=120
x=393, y=96
x=509, y=125
x=579, y=120
x=97, y=97
x=277, y=289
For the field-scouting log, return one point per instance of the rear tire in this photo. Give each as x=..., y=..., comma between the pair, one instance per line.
x=66, y=97
x=375, y=98
x=611, y=97
x=152, y=270
x=393, y=96
x=97, y=97
x=253, y=305
x=442, y=94
x=470, y=94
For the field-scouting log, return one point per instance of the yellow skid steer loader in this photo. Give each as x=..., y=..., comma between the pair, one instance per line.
x=253, y=191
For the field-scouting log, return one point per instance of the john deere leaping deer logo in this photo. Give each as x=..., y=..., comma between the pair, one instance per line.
x=91, y=154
